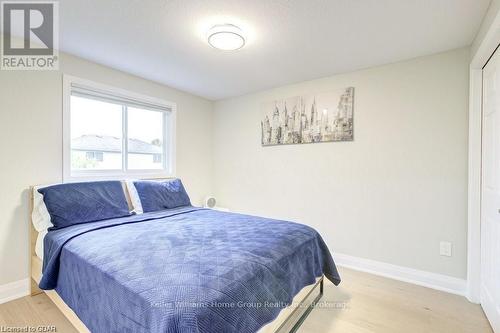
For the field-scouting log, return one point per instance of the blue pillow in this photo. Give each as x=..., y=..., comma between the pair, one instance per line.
x=157, y=195
x=76, y=203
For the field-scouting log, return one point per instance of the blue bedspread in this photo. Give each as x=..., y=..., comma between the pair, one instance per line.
x=183, y=270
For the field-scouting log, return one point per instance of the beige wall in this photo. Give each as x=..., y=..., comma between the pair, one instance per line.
x=390, y=195
x=31, y=132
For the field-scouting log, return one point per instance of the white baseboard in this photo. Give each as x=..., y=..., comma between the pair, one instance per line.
x=440, y=282
x=13, y=290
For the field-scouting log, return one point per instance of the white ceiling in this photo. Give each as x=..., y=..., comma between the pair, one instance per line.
x=289, y=40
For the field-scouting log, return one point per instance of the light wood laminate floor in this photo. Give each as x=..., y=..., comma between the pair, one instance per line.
x=363, y=303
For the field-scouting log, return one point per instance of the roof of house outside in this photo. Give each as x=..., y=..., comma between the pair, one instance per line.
x=106, y=143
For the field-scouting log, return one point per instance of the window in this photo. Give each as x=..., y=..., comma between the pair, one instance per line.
x=111, y=133
x=157, y=158
x=95, y=156
x=145, y=143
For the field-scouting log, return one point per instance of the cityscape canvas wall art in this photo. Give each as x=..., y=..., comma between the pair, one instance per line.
x=322, y=117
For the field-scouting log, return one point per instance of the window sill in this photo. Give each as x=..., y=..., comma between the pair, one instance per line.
x=96, y=176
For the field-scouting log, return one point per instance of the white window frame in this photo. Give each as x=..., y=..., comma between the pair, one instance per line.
x=169, y=125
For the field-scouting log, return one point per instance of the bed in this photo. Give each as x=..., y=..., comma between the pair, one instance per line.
x=183, y=269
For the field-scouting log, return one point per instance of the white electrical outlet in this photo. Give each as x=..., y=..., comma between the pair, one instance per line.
x=445, y=249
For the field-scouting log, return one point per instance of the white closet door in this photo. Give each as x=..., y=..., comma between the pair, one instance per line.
x=490, y=210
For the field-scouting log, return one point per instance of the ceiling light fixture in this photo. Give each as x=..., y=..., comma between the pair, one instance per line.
x=227, y=37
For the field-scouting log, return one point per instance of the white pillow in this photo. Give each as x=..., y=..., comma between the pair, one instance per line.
x=134, y=197
x=39, y=244
x=41, y=220
x=40, y=215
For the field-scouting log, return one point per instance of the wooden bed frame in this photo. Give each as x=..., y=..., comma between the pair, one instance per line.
x=288, y=320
